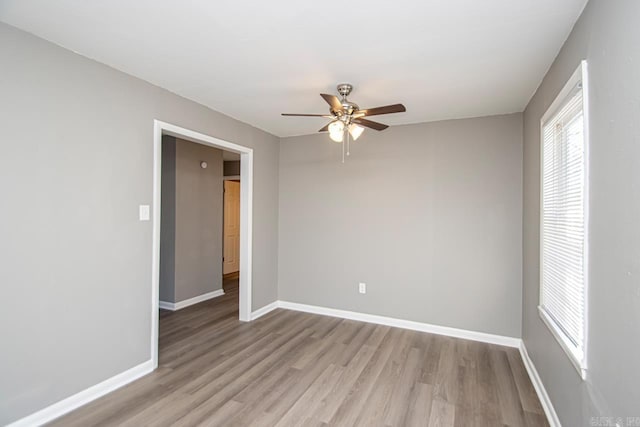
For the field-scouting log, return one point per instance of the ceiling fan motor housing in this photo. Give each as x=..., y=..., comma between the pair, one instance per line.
x=348, y=108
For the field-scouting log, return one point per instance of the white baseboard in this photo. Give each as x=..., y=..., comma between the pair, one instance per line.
x=264, y=310
x=545, y=401
x=405, y=324
x=191, y=301
x=166, y=305
x=64, y=406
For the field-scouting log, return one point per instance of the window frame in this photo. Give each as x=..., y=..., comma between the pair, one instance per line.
x=578, y=358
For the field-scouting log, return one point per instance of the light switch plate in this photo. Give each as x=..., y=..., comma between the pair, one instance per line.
x=144, y=213
x=362, y=288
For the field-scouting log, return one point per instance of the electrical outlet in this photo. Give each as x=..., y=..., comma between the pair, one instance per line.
x=362, y=288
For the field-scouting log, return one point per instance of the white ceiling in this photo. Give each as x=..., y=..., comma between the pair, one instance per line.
x=253, y=60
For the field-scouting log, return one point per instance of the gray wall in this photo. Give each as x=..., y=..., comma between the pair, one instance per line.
x=198, y=220
x=608, y=36
x=76, y=162
x=428, y=215
x=191, y=235
x=167, y=278
x=232, y=167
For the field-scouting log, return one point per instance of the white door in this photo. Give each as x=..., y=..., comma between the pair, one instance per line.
x=231, y=249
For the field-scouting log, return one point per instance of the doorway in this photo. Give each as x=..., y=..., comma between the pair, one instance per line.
x=231, y=228
x=245, y=219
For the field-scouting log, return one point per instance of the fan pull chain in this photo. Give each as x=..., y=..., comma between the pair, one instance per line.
x=342, y=150
x=348, y=143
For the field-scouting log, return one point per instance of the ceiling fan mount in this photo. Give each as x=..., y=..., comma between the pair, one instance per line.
x=344, y=89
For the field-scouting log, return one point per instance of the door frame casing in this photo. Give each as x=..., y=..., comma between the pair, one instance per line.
x=246, y=219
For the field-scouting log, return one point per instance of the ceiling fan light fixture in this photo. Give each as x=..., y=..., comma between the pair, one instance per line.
x=355, y=131
x=336, y=131
x=336, y=136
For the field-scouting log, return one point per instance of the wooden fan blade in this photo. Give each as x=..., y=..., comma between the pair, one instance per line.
x=387, y=109
x=370, y=124
x=333, y=101
x=307, y=115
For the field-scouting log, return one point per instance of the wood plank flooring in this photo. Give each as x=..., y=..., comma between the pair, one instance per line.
x=297, y=369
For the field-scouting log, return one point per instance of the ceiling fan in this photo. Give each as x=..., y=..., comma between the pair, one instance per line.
x=347, y=117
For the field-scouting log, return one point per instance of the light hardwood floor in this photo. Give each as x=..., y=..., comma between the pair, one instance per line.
x=289, y=368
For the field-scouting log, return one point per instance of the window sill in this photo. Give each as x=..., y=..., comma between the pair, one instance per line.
x=577, y=359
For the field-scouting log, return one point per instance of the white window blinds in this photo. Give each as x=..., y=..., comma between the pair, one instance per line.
x=563, y=221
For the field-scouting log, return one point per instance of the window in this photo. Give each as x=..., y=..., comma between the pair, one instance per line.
x=563, y=244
